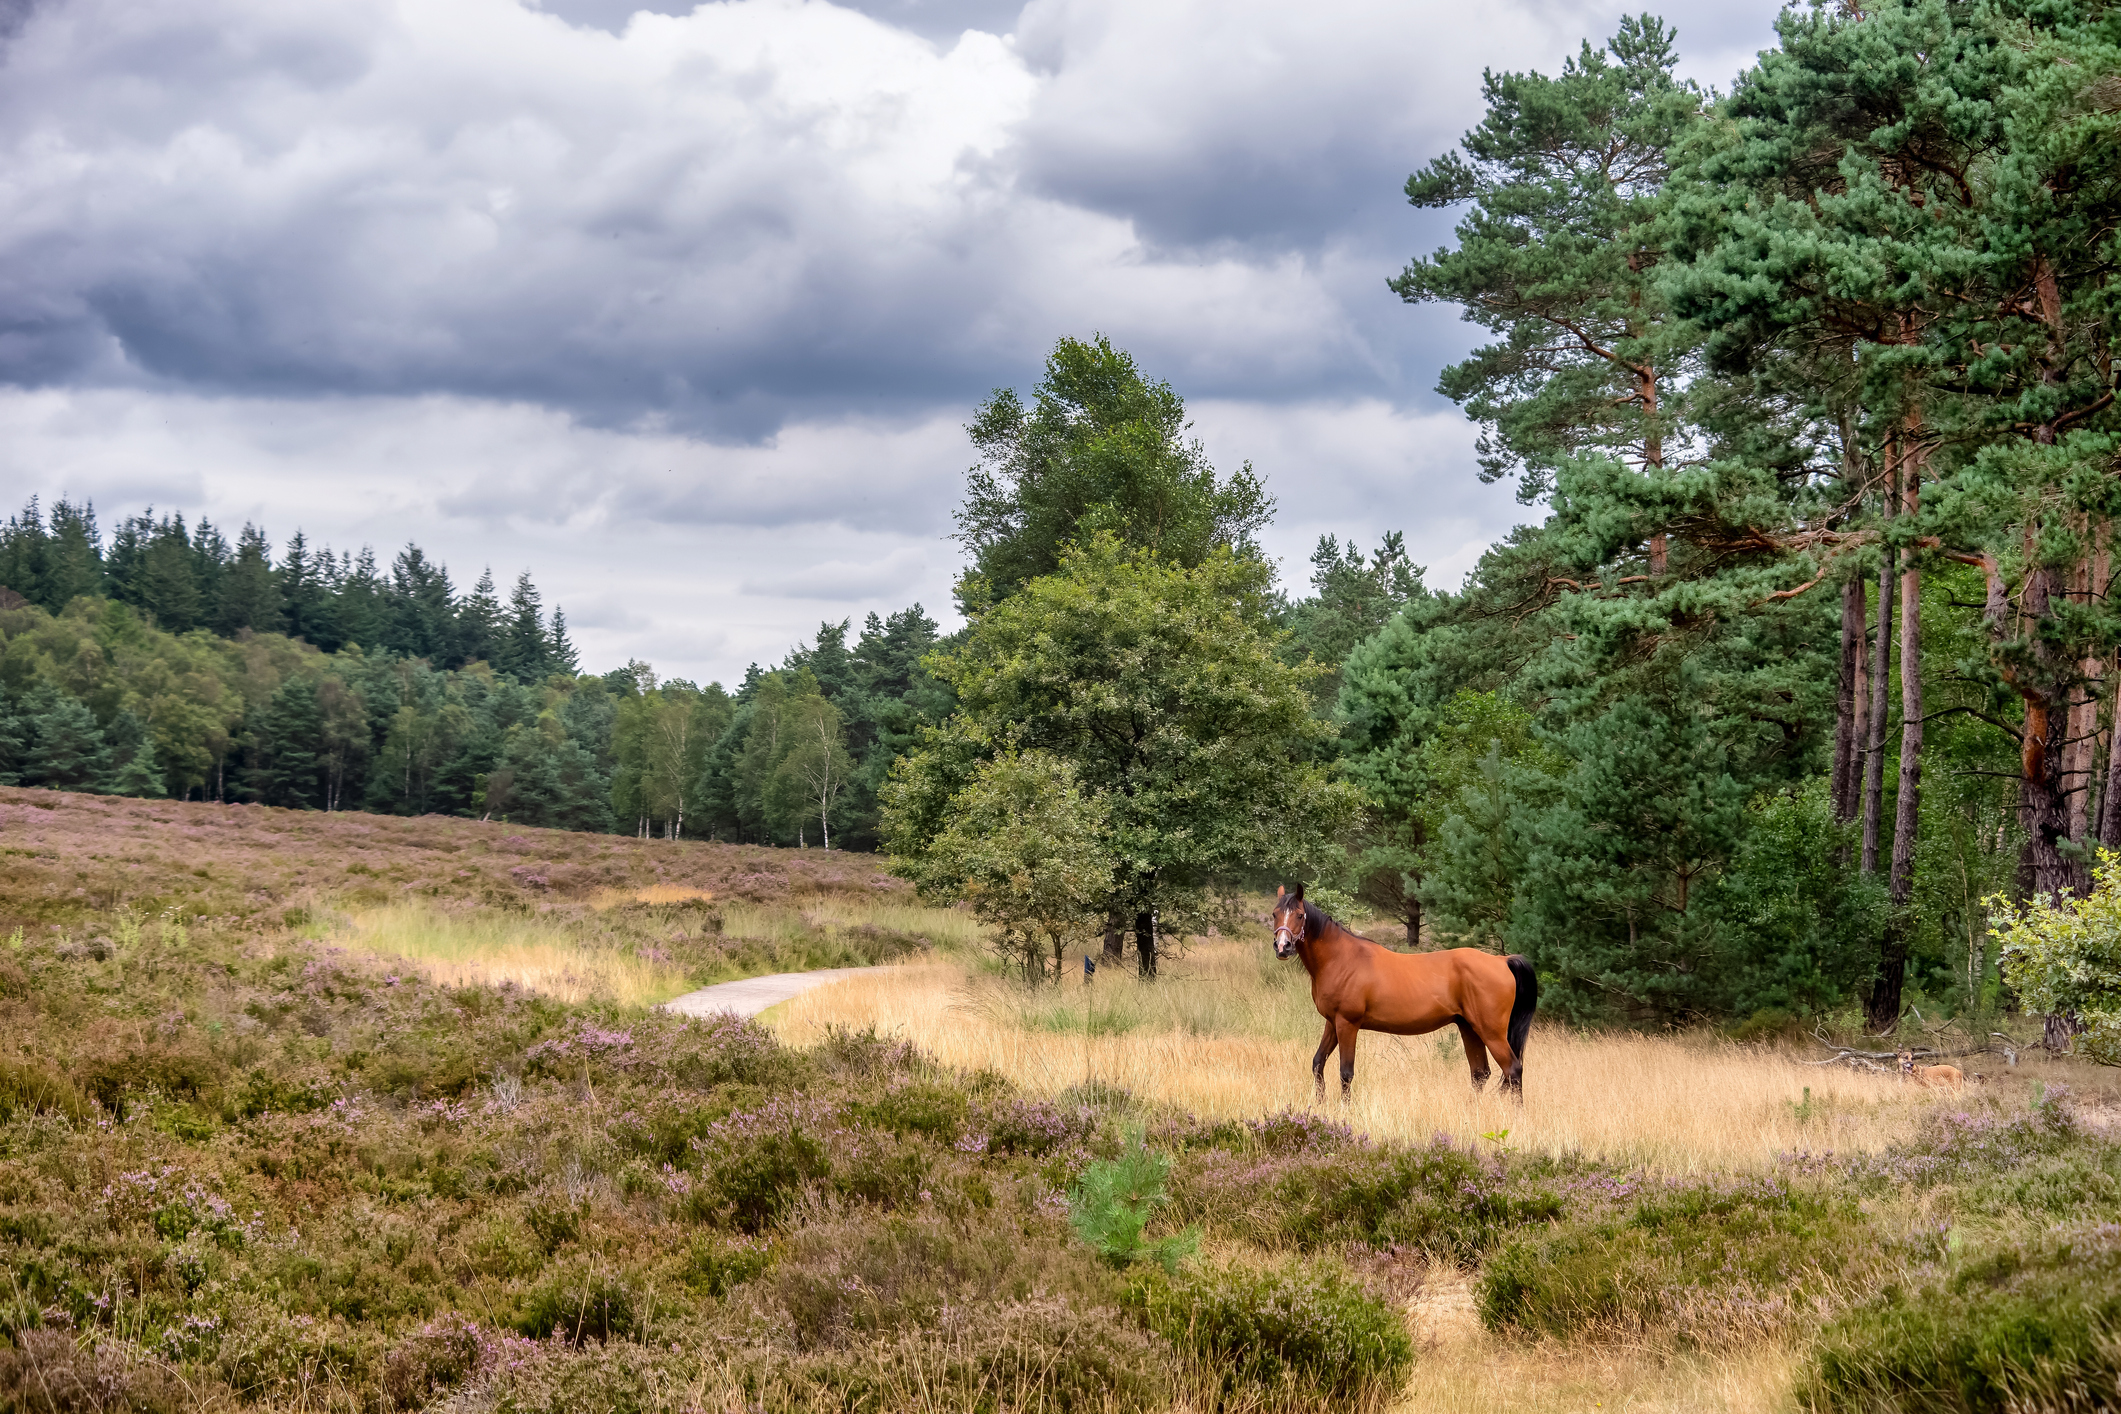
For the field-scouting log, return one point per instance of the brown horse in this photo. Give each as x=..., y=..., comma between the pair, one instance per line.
x=1358, y=986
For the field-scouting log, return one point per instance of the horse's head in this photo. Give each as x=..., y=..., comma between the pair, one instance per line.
x=1291, y=921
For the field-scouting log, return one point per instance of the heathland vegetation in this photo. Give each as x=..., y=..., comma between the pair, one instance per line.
x=307, y=1111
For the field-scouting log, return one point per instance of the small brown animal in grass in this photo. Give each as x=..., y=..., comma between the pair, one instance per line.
x=1931, y=1077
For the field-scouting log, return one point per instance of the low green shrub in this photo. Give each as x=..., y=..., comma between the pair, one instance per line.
x=1115, y=1200
x=1278, y=1192
x=583, y=1301
x=716, y=1265
x=28, y=1087
x=933, y=1111
x=1302, y=1328
x=49, y=1372
x=430, y=1360
x=2006, y=1332
x=1706, y=1262
x=755, y=1166
x=852, y=1276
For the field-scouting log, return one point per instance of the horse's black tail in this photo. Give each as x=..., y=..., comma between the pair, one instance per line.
x=1521, y=1009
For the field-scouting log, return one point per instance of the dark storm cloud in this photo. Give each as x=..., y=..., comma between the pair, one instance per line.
x=723, y=220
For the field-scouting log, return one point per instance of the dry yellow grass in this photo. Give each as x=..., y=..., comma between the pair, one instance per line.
x=1463, y=1369
x=946, y=927
x=557, y=957
x=654, y=893
x=457, y=949
x=1228, y=1036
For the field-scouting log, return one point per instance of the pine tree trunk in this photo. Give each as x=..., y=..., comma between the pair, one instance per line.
x=1848, y=703
x=1884, y=1008
x=1874, y=736
x=2043, y=805
x=2110, y=798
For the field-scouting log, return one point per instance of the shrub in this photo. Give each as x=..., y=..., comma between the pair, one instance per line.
x=1114, y=1201
x=1441, y=1199
x=49, y=1372
x=1042, y=1354
x=934, y=1111
x=853, y=1276
x=2011, y=1331
x=27, y=1087
x=716, y=1265
x=1304, y=1329
x=582, y=1302
x=1036, y=1128
x=1707, y=1262
x=436, y=1357
x=755, y=1165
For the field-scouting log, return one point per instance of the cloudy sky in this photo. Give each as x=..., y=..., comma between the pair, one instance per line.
x=685, y=309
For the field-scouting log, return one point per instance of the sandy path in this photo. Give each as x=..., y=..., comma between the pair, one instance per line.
x=752, y=995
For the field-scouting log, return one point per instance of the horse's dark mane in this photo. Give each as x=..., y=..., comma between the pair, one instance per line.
x=1315, y=918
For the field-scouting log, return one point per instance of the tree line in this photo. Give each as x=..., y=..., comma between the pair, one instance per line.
x=165, y=663
x=185, y=578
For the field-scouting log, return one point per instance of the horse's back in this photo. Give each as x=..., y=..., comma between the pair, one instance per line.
x=1419, y=992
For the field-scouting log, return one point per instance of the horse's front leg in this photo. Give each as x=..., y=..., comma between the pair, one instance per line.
x=1346, y=1032
x=1318, y=1064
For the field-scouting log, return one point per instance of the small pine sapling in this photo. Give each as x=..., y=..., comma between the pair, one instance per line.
x=1114, y=1201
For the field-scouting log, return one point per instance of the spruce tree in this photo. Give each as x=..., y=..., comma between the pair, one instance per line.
x=250, y=597
x=422, y=609
x=361, y=607
x=305, y=594
x=480, y=622
x=525, y=652
x=561, y=656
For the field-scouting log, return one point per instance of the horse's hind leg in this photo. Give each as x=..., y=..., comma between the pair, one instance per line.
x=1476, y=1053
x=1318, y=1064
x=1347, y=1032
x=1512, y=1072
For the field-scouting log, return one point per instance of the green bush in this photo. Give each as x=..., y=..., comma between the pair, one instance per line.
x=582, y=1302
x=754, y=1174
x=1441, y=1199
x=1114, y=1201
x=436, y=1357
x=933, y=1111
x=27, y=1087
x=717, y=1265
x=1302, y=1328
x=1708, y=1263
x=2007, y=1332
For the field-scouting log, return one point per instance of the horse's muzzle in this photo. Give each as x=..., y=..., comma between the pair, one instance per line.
x=1284, y=945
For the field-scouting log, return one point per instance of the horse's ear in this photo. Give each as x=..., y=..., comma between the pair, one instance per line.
x=1299, y=894
x=1279, y=893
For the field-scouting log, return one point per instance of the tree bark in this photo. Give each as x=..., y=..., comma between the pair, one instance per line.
x=1115, y=937
x=1884, y=1008
x=2110, y=798
x=1145, y=942
x=1848, y=703
x=2043, y=804
x=1874, y=737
